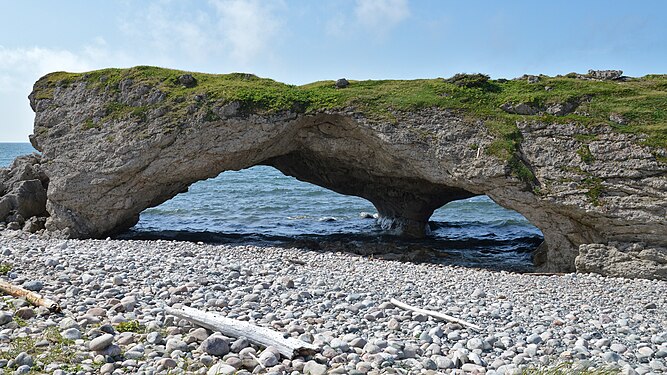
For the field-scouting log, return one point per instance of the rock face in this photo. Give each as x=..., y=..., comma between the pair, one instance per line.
x=23, y=192
x=586, y=185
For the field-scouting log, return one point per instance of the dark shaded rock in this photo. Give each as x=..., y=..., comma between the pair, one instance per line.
x=34, y=224
x=33, y=285
x=187, y=80
x=521, y=108
x=618, y=118
x=23, y=190
x=14, y=225
x=562, y=109
x=342, y=83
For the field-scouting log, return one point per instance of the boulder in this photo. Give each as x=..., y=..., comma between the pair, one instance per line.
x=605, y=75
x=609, y=260
x=342, y=83
x=23, y=190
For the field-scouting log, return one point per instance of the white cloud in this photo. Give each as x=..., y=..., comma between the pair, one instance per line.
x=168, y=32
x=249, y=27
x=380, y=16
x=21, y=67
x=234, y=32
x=18, y=65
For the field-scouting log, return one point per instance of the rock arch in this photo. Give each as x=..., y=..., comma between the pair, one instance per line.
x=104, y=173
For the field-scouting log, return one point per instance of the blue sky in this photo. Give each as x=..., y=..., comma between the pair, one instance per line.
x=300, y=41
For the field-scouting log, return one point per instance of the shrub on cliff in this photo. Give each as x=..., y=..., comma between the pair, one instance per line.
x=478, y=80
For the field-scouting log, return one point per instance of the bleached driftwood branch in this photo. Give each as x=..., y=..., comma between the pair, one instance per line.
x=434, y=314
x=29, y=296
x=288, y=347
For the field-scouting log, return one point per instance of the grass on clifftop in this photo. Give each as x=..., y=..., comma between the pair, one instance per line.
x=641, y=102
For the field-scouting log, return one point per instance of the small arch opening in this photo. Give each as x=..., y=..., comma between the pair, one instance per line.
x=260, y=205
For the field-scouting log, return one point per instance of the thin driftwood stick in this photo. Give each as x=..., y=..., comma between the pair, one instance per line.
x=29, y=296
x=434, y=314
x=545, y=273
x=288, y=347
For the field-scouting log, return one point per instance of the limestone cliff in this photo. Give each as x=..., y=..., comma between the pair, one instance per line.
x=558, y=150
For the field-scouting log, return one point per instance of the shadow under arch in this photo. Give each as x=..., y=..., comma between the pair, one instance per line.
x=261, y=206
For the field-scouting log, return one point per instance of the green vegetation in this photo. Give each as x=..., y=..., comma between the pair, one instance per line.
x=594, y=186
x=568, y=368
x=5, y=268
x=585, y=153
x=59, y=350
x=89, y=124
x=20, y=321
x=470, y=80
x=130, y=326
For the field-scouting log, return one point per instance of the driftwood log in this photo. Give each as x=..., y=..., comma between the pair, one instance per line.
x=29, y=296
x=288, y=347
x=434, y=314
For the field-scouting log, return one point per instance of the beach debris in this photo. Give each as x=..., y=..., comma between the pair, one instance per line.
x=32, y=297
x=266, y=337
x=434, y=314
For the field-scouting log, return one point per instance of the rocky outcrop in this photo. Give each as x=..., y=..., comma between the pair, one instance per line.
x=647, y=263
x=113, y=150
x=23, y=194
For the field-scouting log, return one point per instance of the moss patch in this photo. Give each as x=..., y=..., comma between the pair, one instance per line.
x=5, y=268
x=130, y=326
x=585, y=154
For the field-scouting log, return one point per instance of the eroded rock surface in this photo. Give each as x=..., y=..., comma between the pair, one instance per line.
x=23, y=193
x=587, y=184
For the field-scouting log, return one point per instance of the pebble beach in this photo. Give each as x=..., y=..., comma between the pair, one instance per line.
x=113, y=293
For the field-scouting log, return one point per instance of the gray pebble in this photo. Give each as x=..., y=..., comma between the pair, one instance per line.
x=176, y=344
x=100, y=343
x=5, y=317
x=215, y=345
x=239, y=344
x=222, y=369
x=474, y=343
x=33, y=285
x=314, y=368
x=23, y=359
x=107, y=368
x=268, y=358
x=71, y=334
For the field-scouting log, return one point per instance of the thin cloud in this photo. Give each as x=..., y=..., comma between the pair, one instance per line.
x=234, y=31
x=171, y=32
x=21, y=66
x=19, y=69
x=249, y=27
x=380, y=16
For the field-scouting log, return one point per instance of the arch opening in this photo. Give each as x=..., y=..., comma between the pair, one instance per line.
x=260, y=205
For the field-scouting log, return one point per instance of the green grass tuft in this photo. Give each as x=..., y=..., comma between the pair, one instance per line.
x=130, y=326
x=5, y=268
x=594, y=186
x=569, y=368
x=585, y=154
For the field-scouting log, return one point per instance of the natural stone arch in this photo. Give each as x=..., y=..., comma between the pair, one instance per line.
x=102, y=177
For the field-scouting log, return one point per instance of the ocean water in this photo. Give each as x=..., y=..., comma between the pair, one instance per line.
x=261, y=205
